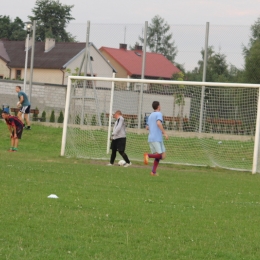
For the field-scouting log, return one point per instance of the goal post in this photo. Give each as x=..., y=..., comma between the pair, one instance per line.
x=209, y=123
x=110, y=113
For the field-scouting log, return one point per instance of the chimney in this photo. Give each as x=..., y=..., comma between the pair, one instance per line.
x=49, y=44
x=138, y=47
x=123, y=46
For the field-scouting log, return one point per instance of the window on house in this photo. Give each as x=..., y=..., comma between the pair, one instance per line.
x=1, y=76
x=18, y=74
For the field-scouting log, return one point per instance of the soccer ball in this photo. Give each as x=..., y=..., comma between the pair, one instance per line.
x=121, y=163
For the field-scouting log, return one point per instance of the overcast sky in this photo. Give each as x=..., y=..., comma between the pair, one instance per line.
x=119, y=21
x=228, y=12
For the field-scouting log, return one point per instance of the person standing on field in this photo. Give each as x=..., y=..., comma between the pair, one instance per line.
x=119, y=139
x=15, y=126
x=155, y=138
x=24, y=106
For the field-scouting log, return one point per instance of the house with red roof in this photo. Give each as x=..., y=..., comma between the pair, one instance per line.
x=128, y=63
x=52, y=60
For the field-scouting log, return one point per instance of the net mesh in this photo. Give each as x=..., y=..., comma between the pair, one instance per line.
x=216, y=130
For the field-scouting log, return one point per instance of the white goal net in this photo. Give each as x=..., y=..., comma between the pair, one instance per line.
x=209, y=124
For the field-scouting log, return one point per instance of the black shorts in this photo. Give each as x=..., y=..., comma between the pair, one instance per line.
x=25, y=109
x=19, y=132
x=118, y=144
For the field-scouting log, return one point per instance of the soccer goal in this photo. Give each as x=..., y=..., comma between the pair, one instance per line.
x=209, y=124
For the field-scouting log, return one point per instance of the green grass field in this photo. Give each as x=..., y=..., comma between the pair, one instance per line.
x=121, y=213
x=230, y=154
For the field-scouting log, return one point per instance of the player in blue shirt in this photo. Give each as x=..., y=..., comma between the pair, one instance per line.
x=155, y=138
x=24, y=105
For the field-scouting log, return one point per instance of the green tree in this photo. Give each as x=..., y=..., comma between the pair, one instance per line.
x=61, y=117
x=252, y=63
x=12, y=30
x=43, y=116
x=255, y=35
x=52, y=118
x=159, y=39
x=102, y=119
x=52, y=18
x=94, y=120
x=35, y=114
x=251, y=55
x=217, y=68
x=77, y=119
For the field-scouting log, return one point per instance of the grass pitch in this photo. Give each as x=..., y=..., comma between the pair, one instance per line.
x=120, y=213
x=228, y=154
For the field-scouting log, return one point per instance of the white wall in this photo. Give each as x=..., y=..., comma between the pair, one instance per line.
x=52, y=97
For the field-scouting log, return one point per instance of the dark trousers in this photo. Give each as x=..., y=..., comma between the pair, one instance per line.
x=118, y=145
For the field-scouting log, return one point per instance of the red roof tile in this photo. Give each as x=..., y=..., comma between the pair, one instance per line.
x=157, y=66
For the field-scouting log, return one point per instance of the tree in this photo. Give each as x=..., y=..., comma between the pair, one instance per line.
x=52, y=118
x=255, y=35
x=51, y=19
x=252, y=62
x=43, y=116
x=159, y=39
x=60, y=118
x=12, y=30
x=217, y=67
x=252, y=55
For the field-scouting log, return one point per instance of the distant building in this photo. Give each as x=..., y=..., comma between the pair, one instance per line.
x=128, y=63
x=51, y=60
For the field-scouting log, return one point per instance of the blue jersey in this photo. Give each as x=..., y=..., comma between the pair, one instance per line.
x=155, y=133
x=25, y=99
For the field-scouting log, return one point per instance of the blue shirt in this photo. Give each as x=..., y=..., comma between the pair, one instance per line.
x=155, y=133
x=25, y=99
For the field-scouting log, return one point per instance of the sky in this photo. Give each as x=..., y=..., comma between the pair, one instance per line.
x=119, y=21
x=218, y=12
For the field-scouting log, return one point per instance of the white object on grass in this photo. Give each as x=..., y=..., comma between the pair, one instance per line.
x=53, y=196
x=121, y=163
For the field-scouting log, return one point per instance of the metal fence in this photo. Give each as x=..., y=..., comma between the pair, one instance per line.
x=189, y=39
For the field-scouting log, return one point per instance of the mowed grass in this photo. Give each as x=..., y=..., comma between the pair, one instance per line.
x=120, y=213
x=229, y=154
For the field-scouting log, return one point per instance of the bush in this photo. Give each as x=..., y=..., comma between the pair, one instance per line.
x=164, y=125
x=132, y=123
x=61, y=117
x=77, y=120
x=86, y=120
x=170, y=126
x=126, y=123
x=102, y=119
x=94, y=120
x=52, y=118
x=35, y=116
x=43, y=116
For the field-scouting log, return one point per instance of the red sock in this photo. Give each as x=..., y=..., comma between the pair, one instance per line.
x=155, y=165
x=155, y=155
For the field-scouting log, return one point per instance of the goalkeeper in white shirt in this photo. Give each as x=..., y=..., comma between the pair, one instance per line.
x=119, y=139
